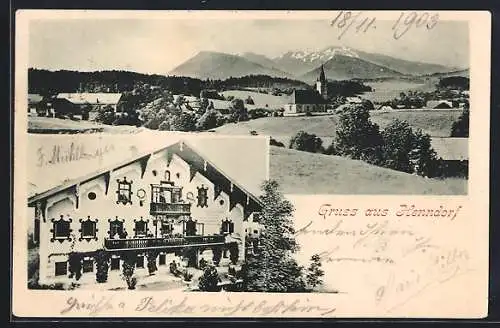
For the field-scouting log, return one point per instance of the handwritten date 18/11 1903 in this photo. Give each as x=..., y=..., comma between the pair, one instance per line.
x=358, y=23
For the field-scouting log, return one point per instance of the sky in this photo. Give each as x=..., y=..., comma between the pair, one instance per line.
x=159, y=45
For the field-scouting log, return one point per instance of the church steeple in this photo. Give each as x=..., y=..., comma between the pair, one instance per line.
x=321, y=83
x=322, y=77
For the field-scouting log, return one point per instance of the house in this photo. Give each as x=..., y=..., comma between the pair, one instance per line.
x=33, y=102
x=95, y=100
x=305, y=102
x=439, y=104
x=385, y=107
x=164, y=199
x=455, y=154
x=354, y=100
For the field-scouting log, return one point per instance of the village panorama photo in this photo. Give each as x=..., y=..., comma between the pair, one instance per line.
x=160, y=151
x=376, y=109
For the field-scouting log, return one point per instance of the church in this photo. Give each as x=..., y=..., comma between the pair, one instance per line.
x=307, y=102
x=163, y=200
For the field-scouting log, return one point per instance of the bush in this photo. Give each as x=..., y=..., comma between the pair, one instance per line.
x=306, y=142
x=101, y=258
x=209, y=280
x=217, y=255
x=129, y=259
x=164, y=126
x=249, y=101
x=234, y=253
x=460, y=128
x=186, y=275
x=151, y=256
x=75, y=265
x=203, y=264
x=274, y=142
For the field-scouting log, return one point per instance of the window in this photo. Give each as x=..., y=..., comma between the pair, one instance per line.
x=140, y=261
x=202, y=196
x=88, y=229
x=124, y=191
x=141, y=228
x=61, y=229
x=91, y=195
x=178, y=175
x=61, y=268
x=154, y=172
x=116, y=229
x=167, y=175
x=227, y=226
x=190, y=227
x=88, y=265
x=167, y=227
x=162, y=259
x=115, y=263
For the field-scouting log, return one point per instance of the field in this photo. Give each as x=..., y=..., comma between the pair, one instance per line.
x=260, y=99
x=305, y=173
x=388, y=90
x=58, y=125
x=435, y=122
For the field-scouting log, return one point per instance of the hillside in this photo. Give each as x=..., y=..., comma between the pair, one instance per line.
x=435, y=122
x=305, y=173
x=260, y=99
x=216, y=65
x=261, y=60
x=403, y=66
x=345, y=67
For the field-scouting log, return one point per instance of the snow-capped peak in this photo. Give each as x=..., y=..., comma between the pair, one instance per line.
x=323, y=55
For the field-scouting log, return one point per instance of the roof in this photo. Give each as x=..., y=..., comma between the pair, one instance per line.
x=91, y=98
x=451, y=149
x=439, y=103
x=306, y=97
x=34, y=98
x=54, y=181
x=355, y=100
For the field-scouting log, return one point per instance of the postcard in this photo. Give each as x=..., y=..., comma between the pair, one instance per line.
x=235, y=164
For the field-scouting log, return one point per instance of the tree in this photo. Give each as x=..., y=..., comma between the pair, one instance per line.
x=239, y=112
x=208, y=120
x=249, y=101
x=306, y=142
x=357, y=137
x=102, y=265
x=409, y=151
x=209, y=280
x=314, y=272
x=460, y=128
x=129, y=259
x=398, y=143
x=184, y=122
x=274, y=269
x=105, y=115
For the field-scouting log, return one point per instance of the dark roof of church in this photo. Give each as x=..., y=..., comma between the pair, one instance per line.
x=307, y=97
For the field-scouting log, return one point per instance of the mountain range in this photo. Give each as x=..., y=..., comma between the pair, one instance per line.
x=340, y=63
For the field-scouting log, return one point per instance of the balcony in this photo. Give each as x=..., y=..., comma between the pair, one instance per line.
x=162, y=243
x=170, y=208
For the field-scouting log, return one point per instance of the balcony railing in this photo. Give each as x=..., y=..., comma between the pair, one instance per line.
x=170, y=242
x=170, y=208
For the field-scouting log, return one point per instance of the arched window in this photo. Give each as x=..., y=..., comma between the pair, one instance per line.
x=167, y=175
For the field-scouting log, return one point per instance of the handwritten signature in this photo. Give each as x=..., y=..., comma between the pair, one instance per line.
x=72, y=153
x=359, y=23
x=443, y=264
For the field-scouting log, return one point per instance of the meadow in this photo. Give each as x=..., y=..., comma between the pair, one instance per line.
x=300, y=172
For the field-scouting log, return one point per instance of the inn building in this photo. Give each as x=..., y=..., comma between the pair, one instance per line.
x=164, y=200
